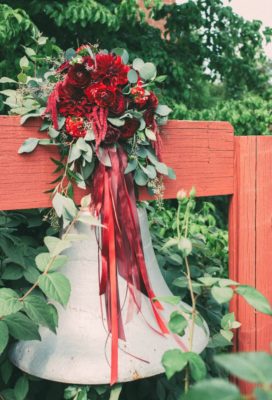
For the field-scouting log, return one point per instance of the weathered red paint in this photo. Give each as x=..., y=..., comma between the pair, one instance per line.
x=203, y=154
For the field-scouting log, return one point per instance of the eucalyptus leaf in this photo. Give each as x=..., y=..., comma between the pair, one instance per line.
x=132, y=76
x=163, y=110
x=29, y=145
x=140, y=177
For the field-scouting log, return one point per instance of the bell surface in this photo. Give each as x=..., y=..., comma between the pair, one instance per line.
x=80, y=351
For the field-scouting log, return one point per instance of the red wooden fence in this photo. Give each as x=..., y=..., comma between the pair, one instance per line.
x=203, y=154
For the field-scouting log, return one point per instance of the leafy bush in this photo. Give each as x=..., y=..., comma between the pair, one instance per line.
x=249, y=116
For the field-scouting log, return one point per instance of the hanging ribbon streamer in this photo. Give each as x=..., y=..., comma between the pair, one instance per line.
x=122, y=252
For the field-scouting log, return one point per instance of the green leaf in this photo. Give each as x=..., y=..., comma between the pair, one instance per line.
x=56, y=245
x=53, y=133
x=197, y=366
x=173, y=300
x=116, y=121
x=222, y=295
x=178, y=323
x=253, y=367
x=12, y=272
x=212, y=389
x=171, y=173
x=85, y=201
x=6, y=370
x=132, y=165
x=24, y=63
x=132, y=76
x=254, y=298
x=123, y=53
x=29, y=51
x=75, y=153
x=42, y=261
x=4, y=336
x=148, y=71
x=173, y=361
x=185, y=245
x=151, y=171
x=21, y=388
x=29, y=145
x=140, y=177
x=262, y=394
x=39, y=311
x=55, y=286
x=25, y=117
x=137, y=64
x=163, y=110
x=4, y=79
x=21, y=327
x=42, y=40
x=150, y=134
x=89, y=220
x=22, y=78
x=161, y=168
x=9, y=302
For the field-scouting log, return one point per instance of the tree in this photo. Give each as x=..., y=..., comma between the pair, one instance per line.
x=204, y=43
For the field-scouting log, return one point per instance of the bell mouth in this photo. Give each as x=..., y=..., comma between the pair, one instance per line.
x=80, y=351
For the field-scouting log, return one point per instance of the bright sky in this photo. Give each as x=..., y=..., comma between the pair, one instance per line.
x=252, y=9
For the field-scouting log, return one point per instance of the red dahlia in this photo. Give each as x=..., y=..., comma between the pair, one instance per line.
x=110, y=69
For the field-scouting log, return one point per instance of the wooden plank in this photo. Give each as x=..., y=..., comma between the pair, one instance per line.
x=201, y=153
x=264, y=238
x=242, y=240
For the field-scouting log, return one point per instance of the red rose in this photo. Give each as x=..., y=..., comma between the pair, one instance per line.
x=110, y=69
x=79, y=76
x=119, y=106
x=130, y=128
x=75, y=127
x=102, y=95
x=112, y=134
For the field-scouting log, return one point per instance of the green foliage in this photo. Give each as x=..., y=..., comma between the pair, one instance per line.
x=206, y=42
x=249, y=116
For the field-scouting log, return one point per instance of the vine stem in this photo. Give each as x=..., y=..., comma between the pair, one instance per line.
x=30, y=290
x=190, y=285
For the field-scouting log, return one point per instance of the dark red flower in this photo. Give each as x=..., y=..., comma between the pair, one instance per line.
x=152, y=102
x=119, y=106
x=112, y=134
x=101, y=94
x=69, y=91
x=110, y=69
x=149, y=117
x=75, y=127
x=78, y=108
x=79, y=76
x=139, y=96
x=130, y=128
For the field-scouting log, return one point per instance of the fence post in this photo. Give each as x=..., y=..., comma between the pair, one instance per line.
x=250, y=238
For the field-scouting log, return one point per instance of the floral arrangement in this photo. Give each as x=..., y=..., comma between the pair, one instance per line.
x=104, y=116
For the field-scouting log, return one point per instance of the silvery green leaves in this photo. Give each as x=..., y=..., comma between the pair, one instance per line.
x=83, y=152
x=65, y=208
x=146, y=70
x=146, y=166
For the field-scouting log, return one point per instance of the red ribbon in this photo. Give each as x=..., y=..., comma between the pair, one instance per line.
x=122, y=252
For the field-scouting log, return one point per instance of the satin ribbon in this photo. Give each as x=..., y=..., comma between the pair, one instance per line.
x=121, y=251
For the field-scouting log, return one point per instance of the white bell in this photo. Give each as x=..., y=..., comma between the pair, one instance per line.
x=80, y=352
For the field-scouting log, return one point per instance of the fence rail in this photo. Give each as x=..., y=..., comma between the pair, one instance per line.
x=203, y=154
